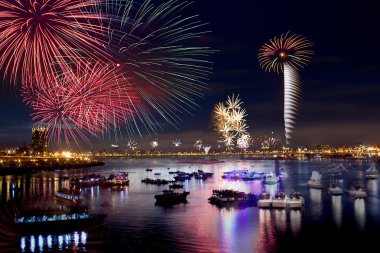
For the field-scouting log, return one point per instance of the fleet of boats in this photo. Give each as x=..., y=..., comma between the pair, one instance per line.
x=118, y=181
x=281, y=201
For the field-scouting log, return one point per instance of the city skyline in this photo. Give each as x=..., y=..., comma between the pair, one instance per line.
x=340, y=85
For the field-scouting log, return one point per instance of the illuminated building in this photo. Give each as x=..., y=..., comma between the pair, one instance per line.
x=39, y=140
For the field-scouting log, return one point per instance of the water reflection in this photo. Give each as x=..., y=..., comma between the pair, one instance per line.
x=73, y=242
x=267, y=235
x=295, y=221
x=280, y=219
x=337, y=209
x=316, y=202
x=359, y=207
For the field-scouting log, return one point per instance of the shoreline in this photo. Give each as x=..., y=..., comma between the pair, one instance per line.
x=16, y=170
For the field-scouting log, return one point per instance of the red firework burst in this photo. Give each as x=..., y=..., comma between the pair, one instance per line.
x=42, y=36
x=90, y=100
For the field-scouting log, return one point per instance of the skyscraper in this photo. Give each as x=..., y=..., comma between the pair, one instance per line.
x=39, y=140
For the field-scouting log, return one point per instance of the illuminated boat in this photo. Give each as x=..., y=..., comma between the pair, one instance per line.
x=270, y=178
x=51, y=222
x=337, y=169
x=69, y=196
x=156, y=181
x=315, y=180
x=223, y=197
x=171, y=197
x=279, y=201
x=372, y=172
x=182, y=177
x=265, y=201
x=118, y=179
x=88, y=180
x=296, y=201
x=334, y=190
x=357, y=191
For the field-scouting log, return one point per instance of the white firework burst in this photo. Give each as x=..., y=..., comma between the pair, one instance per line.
x=177, y=143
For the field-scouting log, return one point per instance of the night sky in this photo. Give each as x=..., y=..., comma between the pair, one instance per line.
x=340, y=87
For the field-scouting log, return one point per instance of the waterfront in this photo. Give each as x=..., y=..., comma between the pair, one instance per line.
x=135, y=224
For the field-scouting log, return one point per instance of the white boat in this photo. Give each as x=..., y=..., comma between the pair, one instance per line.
x=372, y=172
x=334, y=190
x=279, y=201
x=265, y=201
x=315, y=180
x=270, y=178
x=296, y=201
x=357, y=191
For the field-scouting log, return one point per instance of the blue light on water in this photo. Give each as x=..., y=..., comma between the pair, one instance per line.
x=49, y=241
x=32, y=243
x=22, y=244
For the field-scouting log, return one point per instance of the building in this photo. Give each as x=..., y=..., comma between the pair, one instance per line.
x=39, y=141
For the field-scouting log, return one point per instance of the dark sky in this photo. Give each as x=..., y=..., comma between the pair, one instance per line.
x=341, y=86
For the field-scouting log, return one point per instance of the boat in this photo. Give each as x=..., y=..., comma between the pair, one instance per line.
x=230, y=197
x=357, y=191
x=176, y=186
x=202, y=175
x=156, y=181
x=233, y=174
x=270, y=178
x=283, y=173
x=182, y=176
x=296, y=201
x=279, y=201
x=157, y=174
x=171, y=197
x=88, y=180
x=118, y=179
x=69, y=196
x=265, y=200
x=334, y=190
x=57, y=221
x=337, y=169
x=243, y=175
x=315, y=180
x=147, y=170
x=372, y=172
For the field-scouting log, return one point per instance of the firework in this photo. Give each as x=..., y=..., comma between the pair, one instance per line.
x=287, y=54
x=157, y=45
x=38, y=36
x=177, y=143
x=154, y=144
x=243, y=142
x=198, y=144
x=132, y=145
x=91, y=100
x=229, y=121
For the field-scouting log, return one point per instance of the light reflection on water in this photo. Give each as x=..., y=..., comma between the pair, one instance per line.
x=133, y=218
x=337, y=209
x=44, y=243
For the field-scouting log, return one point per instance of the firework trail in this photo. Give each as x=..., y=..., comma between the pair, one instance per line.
x=286, y=55
x=37, y=34
x=157, y=45
x=89, y=100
